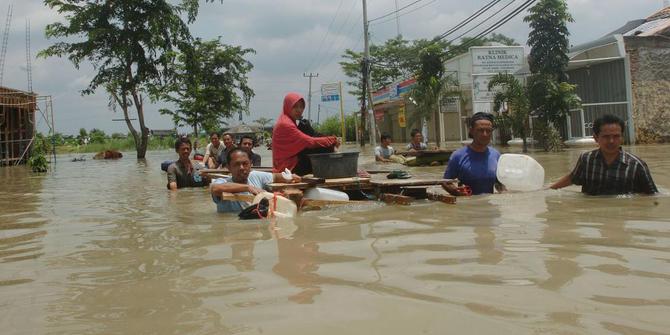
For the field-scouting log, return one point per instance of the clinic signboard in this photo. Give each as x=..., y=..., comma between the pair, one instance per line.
x=486, y=63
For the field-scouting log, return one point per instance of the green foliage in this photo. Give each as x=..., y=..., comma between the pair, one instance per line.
x=548, y=38
x=209, y=84
x=130, y=44
x=39, y=148
x=97, y=136
x=549, y=137
x=512, y=96
x=333, y=126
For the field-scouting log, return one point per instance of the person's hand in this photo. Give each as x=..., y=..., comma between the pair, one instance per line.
x=453, y=189
x=295, y=178
x=337, y=142
x=254, y=190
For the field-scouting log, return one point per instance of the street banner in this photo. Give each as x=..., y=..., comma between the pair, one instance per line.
x=330, y=92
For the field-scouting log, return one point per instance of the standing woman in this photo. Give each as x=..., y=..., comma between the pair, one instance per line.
x=290, y=146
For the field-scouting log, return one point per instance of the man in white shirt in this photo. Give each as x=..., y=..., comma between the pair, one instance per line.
x=242, y=180
x=213, y=150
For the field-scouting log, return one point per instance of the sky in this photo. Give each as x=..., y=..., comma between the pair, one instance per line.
x=291, y=38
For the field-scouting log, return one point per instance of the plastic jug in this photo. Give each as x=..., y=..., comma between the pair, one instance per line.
x=320, y=193
x=520, y=172
x=284, y=208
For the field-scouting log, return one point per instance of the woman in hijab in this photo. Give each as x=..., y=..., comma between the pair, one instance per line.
x=291, y=145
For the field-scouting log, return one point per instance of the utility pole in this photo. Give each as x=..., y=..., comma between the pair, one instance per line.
x=318, y=113
x=366, y=75
x=309, y=94
x=397, y=17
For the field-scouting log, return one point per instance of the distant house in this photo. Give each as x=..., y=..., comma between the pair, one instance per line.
x=17, y=124
x=163, y=133
x=625, y=73
x=240, y=130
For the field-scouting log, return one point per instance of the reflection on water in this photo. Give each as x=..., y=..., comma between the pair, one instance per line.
x=100, y=247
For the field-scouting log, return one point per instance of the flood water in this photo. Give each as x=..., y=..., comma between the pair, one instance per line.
x=101, y=247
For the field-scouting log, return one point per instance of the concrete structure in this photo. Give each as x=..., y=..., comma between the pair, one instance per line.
x=17, y=124
x=625, y=73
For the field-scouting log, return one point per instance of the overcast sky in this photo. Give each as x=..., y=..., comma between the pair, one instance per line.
x=291, y=37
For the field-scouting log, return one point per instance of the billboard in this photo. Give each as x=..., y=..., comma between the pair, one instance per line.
x=330, y=92
x=486, y=63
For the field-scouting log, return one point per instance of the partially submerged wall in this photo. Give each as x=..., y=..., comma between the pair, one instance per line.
x=650, y=76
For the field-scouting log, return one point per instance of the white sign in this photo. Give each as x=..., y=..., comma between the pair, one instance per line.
x=330, y=92
x=493, y=60
x=480, y=88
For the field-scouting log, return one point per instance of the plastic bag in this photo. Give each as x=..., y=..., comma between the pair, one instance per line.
x=256, y=211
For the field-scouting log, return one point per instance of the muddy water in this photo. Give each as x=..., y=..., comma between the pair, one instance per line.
x=100, y=247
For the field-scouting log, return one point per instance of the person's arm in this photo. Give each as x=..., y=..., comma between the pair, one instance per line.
x=218, y=189
x=278, y=178
x=643, y=182
x=172, y=177
x=451, y=188
x=205, y=160
x=563, y=182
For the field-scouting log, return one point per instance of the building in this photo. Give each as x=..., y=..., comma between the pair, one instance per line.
x=17, y=124
x=625, y=73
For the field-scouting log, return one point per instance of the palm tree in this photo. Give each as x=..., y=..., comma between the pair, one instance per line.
x=514, y=96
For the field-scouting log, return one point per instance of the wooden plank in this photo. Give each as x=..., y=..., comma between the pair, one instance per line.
x=407, y=182
x=396, y=199
x=441, y=195
x=416, y=192
x=305, y=202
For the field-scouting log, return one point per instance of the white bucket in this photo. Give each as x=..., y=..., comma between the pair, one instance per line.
x=520, y=172
x=320, y=193
x=285, y=208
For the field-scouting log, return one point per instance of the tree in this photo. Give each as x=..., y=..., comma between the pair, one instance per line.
x=512, y=95
x=97, y=136
x=130, y=44
x=82, y=138
x=550, y=97
x=209, y=84
x=263, y=122
x=548, y=38
x=333, y=126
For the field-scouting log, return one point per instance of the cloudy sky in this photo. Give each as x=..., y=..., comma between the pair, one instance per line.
x=291, y=37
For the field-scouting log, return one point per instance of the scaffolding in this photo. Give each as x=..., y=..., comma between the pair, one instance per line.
x=18, y=124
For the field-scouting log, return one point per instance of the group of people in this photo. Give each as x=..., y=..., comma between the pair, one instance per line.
x=385, y=152
x=216, y=152
x=606, y=170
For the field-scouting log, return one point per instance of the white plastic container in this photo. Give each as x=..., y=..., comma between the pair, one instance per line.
x=320, y=193
x=285, y=208
x=520, y=172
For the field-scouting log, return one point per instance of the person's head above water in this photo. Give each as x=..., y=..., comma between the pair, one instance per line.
x=294, y=106
x=481, y=129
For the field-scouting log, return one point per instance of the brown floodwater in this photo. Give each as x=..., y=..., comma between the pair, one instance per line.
x=101, y=247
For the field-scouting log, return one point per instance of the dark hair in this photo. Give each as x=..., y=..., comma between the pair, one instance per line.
x=607, y=119
x=385, y=136
x=234, y=150
x=253, y=140
x=229, y=134
x=414, y=132
x=479, y=116
x=214, y=133
x=182, y=140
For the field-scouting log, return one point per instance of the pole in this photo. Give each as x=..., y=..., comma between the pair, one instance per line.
x=318, y=113
x=366, y=76
x=309, y=94
x=344, y=133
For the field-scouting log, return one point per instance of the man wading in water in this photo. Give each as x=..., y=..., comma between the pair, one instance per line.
x=609, y=169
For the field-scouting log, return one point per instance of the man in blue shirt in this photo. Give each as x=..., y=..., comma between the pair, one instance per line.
x=242, y=180
x=475, y=165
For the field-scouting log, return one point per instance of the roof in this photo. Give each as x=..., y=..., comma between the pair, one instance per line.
x=605, y=47
x=243, y=129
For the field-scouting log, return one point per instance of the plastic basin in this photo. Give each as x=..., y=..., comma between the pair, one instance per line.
x=334, y=165
x=520, y=172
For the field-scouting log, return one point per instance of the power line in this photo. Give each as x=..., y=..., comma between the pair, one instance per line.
x=408, y=12
x=469, y=18
x=480, y=23
x=394, y=12
x=326, y=36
